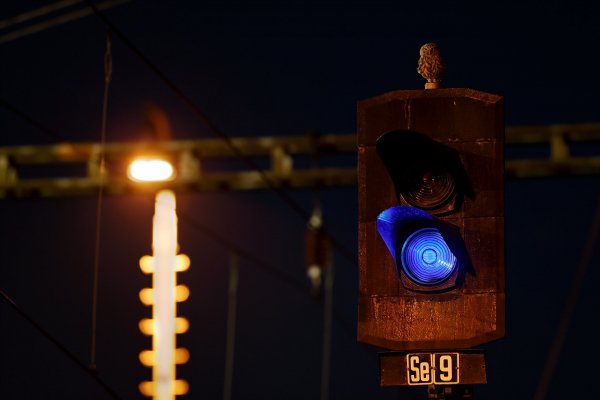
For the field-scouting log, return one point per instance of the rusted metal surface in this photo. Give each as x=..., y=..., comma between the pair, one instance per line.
x=390, y=315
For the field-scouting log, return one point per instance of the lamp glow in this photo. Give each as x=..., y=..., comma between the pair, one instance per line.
x=147, y=358
x=146, y=326
x=147, y=264
x=146, y=296
x=182, y=293
x=181, y=356
x=182, y=262
x=163, y=296
x=181, y=387
x=417, y=245
x=181, y=325
x=426, y=258
x=150, y=170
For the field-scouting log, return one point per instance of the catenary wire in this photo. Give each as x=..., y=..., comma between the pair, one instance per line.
x=254, y=260
x=262, y=265
x=102, y=168
x=299, y=210
x=34, y=28
x=42, y=128
x=231, y=322
x=570, y=305
x=90, y=371
x=38, y=12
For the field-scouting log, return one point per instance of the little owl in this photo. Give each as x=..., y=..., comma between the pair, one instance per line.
x=431, y=65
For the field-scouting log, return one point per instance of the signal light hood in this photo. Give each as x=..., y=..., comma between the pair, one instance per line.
x=426, y=174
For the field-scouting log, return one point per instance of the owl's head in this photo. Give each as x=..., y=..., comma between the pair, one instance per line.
x=429, y=49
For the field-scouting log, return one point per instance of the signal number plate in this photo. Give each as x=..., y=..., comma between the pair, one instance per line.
x=432, y=368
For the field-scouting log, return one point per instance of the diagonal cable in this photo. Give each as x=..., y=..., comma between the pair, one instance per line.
x=49, y=23
x=48, y=132
x=298, y=209
x=222, y=241
x=102, y=170
x=38, y=12
x=347, y=326
x=90, y=371
x=569, y=308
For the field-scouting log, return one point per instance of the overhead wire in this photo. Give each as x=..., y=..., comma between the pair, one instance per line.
x=570, y=305
x=38, y=12
x=294, y=205
x=90, y=371
x=282, y=194
x=254, y=260
x=101, y=173
x=91, y=368
x=327, y=330
x=326, y=264
x=34, y=28
x=287, y=199
x=262, y=265
x=231, y=322
x=48, y=132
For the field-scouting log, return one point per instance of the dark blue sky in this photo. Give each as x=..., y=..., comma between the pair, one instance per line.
x=281, y=68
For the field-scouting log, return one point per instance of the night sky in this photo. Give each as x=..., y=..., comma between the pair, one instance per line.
x=275, y=68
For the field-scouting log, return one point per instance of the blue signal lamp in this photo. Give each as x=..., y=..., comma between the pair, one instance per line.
x=429, y=254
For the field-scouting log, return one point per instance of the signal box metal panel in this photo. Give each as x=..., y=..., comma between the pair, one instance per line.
x=391, y=315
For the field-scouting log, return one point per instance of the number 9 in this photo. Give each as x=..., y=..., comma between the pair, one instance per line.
x=446, y=368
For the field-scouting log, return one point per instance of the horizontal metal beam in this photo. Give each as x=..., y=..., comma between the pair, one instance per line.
x=549, y=168
x=293, y=145
x=213, y=182
x=558, y=139
x=201, y=148
x=537, y=134
x=208, y=164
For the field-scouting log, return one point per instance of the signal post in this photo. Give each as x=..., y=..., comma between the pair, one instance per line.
x=431, y=231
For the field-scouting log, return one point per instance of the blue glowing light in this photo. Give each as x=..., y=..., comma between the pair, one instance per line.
x=416, y=245
x=426, y=258
x=391, y=221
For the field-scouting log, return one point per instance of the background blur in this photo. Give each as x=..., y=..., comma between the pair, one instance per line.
x=280, y=68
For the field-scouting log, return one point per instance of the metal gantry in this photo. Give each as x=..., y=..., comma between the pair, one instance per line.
x=204, y=165
x=568, y=150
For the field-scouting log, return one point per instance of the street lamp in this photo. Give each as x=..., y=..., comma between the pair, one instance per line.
x=165, y=293
x=150, y=169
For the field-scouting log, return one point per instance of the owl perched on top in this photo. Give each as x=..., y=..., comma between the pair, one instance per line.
x=431, y=65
